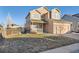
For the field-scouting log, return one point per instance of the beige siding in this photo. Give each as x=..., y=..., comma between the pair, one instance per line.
x=34, y=12
x=36, y=28
x=61, y=28
x=58, y=27
x=42, y=10
x=13, y=31
x=34, y=15
x=55, y=14
x=53, y=24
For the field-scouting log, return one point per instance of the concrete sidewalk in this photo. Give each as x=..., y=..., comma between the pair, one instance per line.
x=73, y=48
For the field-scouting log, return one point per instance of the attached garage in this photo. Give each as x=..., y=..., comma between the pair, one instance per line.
x=59, y=27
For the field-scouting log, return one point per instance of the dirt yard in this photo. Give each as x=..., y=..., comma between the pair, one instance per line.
x=33, y=45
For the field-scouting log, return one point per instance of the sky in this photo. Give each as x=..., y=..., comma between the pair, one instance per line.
x=18, y=13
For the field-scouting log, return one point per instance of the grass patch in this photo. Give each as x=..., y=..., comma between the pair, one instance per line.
x=36, y=43
x=28, y=36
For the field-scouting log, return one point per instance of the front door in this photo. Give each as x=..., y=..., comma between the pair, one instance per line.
x=37, y=27
x=40, y=28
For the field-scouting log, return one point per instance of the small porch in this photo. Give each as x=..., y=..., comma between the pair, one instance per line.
x=37, y=27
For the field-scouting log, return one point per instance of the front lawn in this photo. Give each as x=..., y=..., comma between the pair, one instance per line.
x=29, y=36
x=34, y=44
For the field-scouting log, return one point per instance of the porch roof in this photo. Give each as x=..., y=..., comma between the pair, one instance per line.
x=61, y=21
x=38, y=21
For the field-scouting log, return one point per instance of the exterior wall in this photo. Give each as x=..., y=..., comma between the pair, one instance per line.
x=55, y=14
x=12, y=31
x=27, y=24
x=77, y=27
x=50, y=26
x=46, y=16
x=45, y=27
x=74, y=26
x=58, y=27
x=35, y=28
x=61, y=28
x=38, y=14
x=1, y=29
x=34, y=12
x=30, y=18
x=35, y=15
x=72, y=19
x=43, y=10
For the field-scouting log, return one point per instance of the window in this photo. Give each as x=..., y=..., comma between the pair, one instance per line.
x=35, y=16
x=55, y=15
x=39, y=25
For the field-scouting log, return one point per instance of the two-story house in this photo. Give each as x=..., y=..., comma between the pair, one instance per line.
x=36, y=20
x=42, y=20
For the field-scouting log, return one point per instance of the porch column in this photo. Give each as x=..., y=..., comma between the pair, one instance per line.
x=31, y=26
x=42, y=28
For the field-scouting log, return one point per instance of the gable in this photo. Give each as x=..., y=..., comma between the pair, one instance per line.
x=42, y=10
x=56, y=10
x=70, y=18
x=34, y=12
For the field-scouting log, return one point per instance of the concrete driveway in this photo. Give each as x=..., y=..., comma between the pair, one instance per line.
x=73, y=48
x=72, y=35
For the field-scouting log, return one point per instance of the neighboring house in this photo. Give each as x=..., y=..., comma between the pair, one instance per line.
x=42, y=20
x=12, y=29
x=76, y=15
x=75, y=21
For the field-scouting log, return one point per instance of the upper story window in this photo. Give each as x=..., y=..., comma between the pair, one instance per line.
x=55, y=15
x=36, y=16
